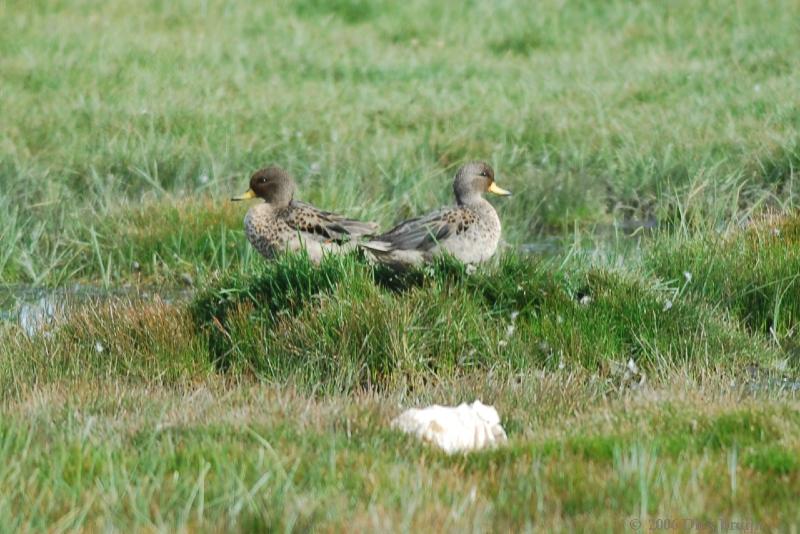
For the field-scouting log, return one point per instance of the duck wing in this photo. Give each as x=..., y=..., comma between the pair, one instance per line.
x=326, y=225
x=420, y=233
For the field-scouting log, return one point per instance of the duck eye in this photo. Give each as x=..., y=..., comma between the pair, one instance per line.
x=262, y=180
x=484, y=174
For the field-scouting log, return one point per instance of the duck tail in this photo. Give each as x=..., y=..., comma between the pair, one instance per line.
x=359, y=228
x=376, y=246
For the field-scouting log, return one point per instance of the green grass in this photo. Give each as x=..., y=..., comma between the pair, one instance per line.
x=253, y=457
x=344, y=326
x=679, y=110
x=754, y=274
x=263, y=401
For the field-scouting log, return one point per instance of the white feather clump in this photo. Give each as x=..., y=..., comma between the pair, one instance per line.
x=466, y=427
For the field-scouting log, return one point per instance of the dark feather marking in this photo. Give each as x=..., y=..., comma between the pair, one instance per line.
x=330, y=226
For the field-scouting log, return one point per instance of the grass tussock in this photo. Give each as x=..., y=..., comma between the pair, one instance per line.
x=142, y=341
x=346, y=324
x=754, y=274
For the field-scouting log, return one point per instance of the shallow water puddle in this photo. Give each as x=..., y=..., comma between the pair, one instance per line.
x=620, y=235
x=34, y=308
x=546, y=246
x=774, y=385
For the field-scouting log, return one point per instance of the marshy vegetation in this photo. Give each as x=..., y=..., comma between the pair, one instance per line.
x=646, y=365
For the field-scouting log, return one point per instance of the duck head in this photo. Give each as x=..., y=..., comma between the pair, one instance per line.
x=272, y=184
x=473, y=180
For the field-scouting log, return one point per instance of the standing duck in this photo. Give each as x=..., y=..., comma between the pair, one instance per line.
x=281, y=223
x=470, y=230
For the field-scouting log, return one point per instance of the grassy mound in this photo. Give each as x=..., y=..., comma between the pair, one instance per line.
x=347, y=324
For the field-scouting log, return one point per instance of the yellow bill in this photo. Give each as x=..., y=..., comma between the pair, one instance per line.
x=247, y=195
x=497, y=190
